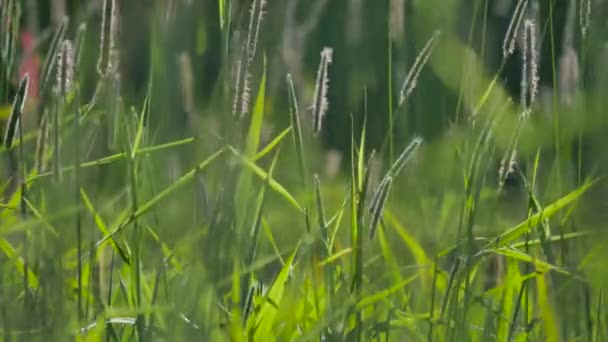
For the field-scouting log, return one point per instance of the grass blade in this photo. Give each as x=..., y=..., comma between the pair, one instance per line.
x=13, y=120
x=264, y=176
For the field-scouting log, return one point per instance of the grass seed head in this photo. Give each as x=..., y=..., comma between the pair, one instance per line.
x=320, y=103
x=508, y=44
x=65, y=68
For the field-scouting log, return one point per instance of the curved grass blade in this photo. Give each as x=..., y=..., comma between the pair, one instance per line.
x=264, y=176
x=539, y=265
x=10, y=253
x=51, y=56
x=378, y=204
x=272, y=145
x=102, y=227
x=335, y=256
x=257, y=118
x=294, y=113
x=370, y=300
x=13, y=120
x=265, y=318
x=118, y=156
x=37, y=214
x=404, y=157
x=143, y=209
x=546, y=213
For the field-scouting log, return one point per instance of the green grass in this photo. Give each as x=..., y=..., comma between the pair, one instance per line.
x=124, y=218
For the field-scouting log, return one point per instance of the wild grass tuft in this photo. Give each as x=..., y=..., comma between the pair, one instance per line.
x=134, y=207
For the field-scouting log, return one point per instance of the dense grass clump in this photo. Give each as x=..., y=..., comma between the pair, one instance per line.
x=177, y=170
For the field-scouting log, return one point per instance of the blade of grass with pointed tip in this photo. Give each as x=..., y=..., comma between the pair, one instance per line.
x=10, y=253
x=13, y=120
x=403, y=158
x=257, y=118
x=118, y=156
x=391, y=261
x=167, y=252
x=244, y=182
x=178, y=184
x=378, y=204
x=369, y=300
x=144, y=208
x=37, y=214
x=102, y=227
x=264, y=176
x=550, y=210
x=294, y=113
x=266, y=316
x=335, y=256
x=255, y=232
x=415, y=248
x=547, y=314
x=512, y=282
x=140, y=126
x=272, y=145
x=272, y=241
x=540, y=265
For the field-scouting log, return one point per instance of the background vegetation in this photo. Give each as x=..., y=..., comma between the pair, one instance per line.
x=163, y=180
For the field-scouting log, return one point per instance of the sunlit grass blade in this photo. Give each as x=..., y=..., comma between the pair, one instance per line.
x=336, y=256
x=16, y=112
x=415, y=248
x=147, y=206
x=539, y=265
x=390, y=258
x=264, y=176
x=271, y=145
x=548, y=211
x=103, y=228
x=38, y=215
x=118, y=156
x=294, y=113
x=266, y=316
x=545, y=307
x=366, y=301
x=257, y=222
x=257, y=119
x=252, y=141
x=140, y=127
x=20, y=266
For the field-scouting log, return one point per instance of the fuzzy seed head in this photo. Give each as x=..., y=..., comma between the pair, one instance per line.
x=412, y=76
x=107, y=63
x=320, y=103
x=529, y=78
x=65, y=68
x=508, y=44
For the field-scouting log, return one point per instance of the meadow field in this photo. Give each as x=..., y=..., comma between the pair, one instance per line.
x=303, y=170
